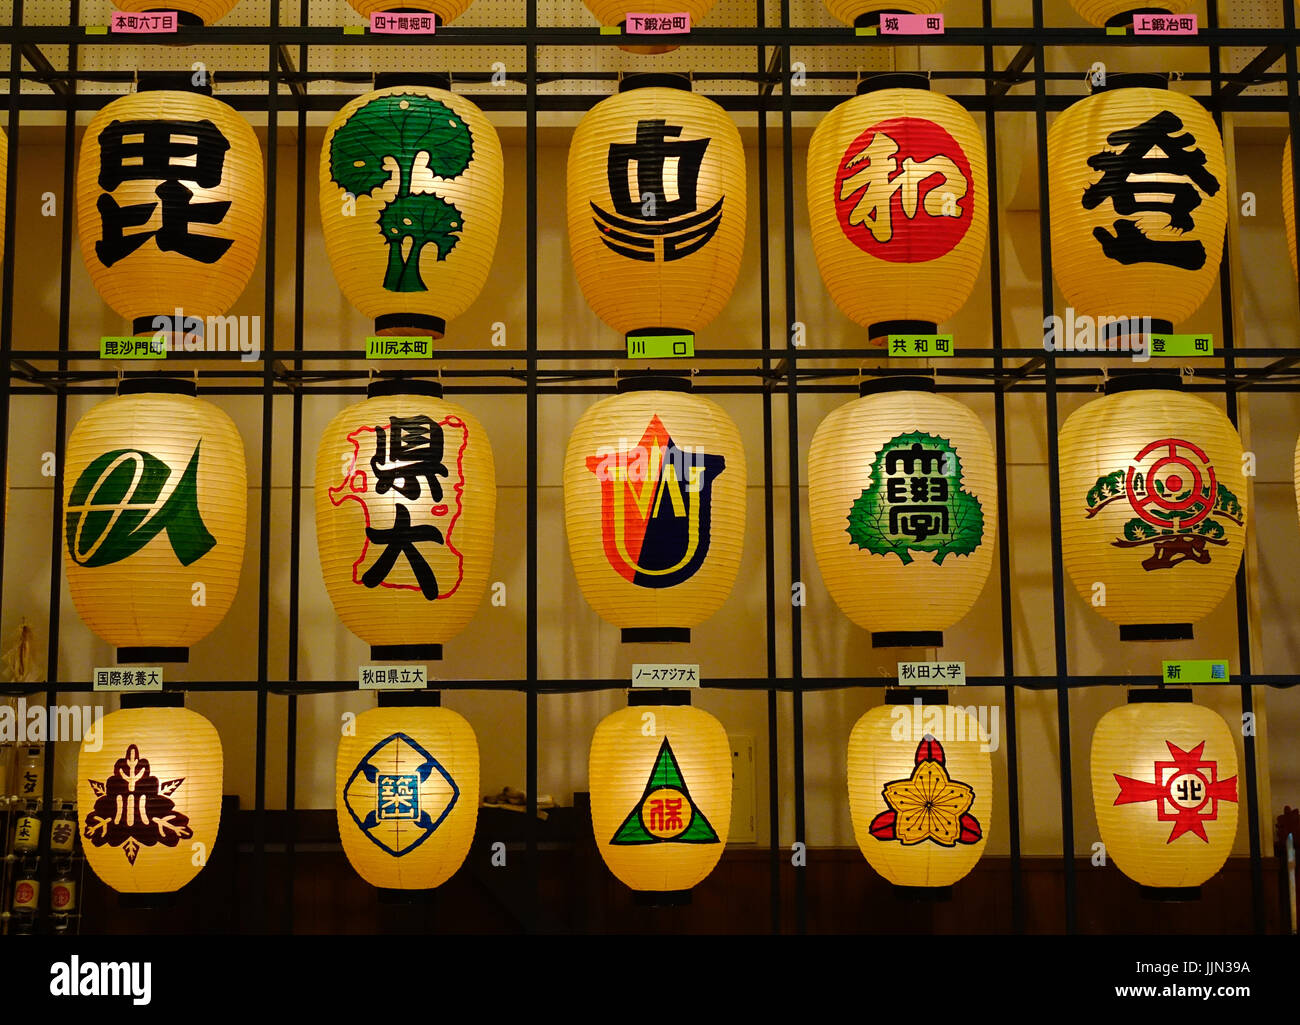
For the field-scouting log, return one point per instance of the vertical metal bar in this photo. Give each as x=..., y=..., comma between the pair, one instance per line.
x=796, y=639
x=1058, y=578
x=533, y=887
x=7, y=276
x=1004, y=504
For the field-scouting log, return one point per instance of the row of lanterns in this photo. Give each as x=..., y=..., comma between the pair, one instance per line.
x=411, y=182
x=615, y=12
x=902, y=496
x=920, y=781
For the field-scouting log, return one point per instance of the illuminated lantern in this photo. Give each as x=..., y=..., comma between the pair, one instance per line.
x=1153, y=505
x=149, y=797
x=1116, y=13
x=1164, y=785
x=654, y=506
x=189, y=12
x=920, y=792
x=444, y=10
x=864, y=13
x=405, y=513
x=615, y=12
x=407, y=794
x=1120, y=248
x=902, y=491
x=155, y=498
x=410, y=201
x=656, y=206
x=1288, y=204
x=898, y=205
x=660, y=803
x=170, y=196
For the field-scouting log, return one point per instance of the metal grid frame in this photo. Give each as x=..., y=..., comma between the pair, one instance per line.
x=770, y=370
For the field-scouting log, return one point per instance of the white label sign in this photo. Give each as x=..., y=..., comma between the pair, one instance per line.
x=120, y=679
x=407, y=677
x=932, y=674
x=660, y=675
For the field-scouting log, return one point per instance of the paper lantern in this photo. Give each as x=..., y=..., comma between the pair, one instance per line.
x=654, y=506
x=405, y=516
x=902, y=491
x=920, y=792
x=1288, y=205
x=898, y=205
x=1120, y=248
x=170, y=195
x=190, y=12
x=864, y=13
x=1153, y=505
x=656, y=207
x=155, y=498
x=407, y=794
x=615, y=12
x=410, y=200
x=1164, y=785
x=444, y=10
x=1116, y=13
x=149, y=798
x=660, y=798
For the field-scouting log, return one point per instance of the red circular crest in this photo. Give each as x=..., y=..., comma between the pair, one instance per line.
x=904, y=191
x=1178, y=487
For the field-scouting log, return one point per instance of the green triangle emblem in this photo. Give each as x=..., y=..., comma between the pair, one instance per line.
x=665, y=813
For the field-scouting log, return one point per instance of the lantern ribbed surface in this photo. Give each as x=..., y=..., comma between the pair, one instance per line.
x=898, y=205
x=1153, y=505
x=902, y=493
x=407, y=795
x=1116, y=251
x=654, y=507
x=207, y=11
x=848, y=11
x=405, y=517
x=215, y=162
x=1288, y=205
x=446, y=10
x=155, y=501
x=1100, y=12
x=149, y=798
x=920, y=792
x=411, y=181
x=1164, y=786
x=656, y=208
x=660, y=780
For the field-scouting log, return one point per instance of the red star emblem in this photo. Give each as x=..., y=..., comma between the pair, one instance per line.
x=1187, y=791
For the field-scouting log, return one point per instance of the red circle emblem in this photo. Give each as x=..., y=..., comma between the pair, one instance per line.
x=1178, y=481
x=903, y=191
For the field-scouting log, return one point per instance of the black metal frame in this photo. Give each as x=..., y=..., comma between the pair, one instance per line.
x=764, y=371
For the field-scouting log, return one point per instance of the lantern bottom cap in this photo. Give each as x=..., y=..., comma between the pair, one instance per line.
x=1170, y=894
x=182, y=17
x=1155, y=632
x=656, y=635
x=907, y=639
x=416, y=324
x=662, y=898
x=392, y=896
x=406, y=652
x=147, y=655
x=146, y=901
x=1125, y=18
x=922, y=894
x=879, y=332
x=872, y=18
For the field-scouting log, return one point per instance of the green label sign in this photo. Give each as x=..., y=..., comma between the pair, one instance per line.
x=399, y=347
x=127, y=347
x=920, y=346
x=1195, y=670
x=660, y=346
x=1182, y=345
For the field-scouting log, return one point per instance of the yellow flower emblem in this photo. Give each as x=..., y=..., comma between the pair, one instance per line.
x=929, y=805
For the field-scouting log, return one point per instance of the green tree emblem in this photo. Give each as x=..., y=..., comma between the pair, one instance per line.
x=397, y=129
x=916, y=502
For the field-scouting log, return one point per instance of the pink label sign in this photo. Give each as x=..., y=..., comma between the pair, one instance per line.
x=911, y=24
x=1164, y=24
x=402, y=24
x=658, y=24
x=150, y=21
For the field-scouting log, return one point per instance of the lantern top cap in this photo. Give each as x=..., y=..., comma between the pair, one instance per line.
x=877, y=385
x=1159, y=695
x=157, y=386
x=1131, y=80
x=892, y=80
x=653, y=382
x=385, y=386
x=423, y=79
x=172, y=81
x=1142, y=380
x=654, y=80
